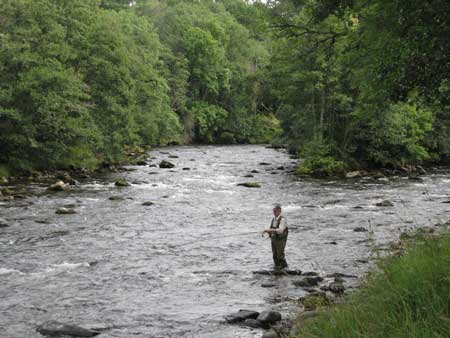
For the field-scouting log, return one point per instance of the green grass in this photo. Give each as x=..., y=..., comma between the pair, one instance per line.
x=408, y=296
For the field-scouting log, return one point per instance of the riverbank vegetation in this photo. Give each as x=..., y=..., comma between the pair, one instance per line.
x=346, y=84
x=407, y=296
x=82, y=80
x=362, y=83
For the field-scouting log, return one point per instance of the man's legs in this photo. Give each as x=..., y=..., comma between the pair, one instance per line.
x=281, y=245
x=275, y=253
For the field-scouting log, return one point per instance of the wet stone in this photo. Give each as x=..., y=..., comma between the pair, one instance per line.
x=269, y=317
x=57, y=329
x=3, y=223
x=147, y=204
x=270, y=334
x=250, y=184
x=241, y=316
x=360, y=229
x=116, y=198
x=166, y=164
x=65, y=211
x=308, y=281
x=121, y=183
x=253, y=323
x=268, y=284
x=385, y=203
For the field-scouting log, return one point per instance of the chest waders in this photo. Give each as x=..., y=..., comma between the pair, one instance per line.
x=278, y=242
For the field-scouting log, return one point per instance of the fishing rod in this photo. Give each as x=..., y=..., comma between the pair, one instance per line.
x=209, y=238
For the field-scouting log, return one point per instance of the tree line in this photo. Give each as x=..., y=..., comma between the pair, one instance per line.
x=345, y=83
x=82, y=80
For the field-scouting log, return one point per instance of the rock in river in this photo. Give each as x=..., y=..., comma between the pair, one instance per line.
x=56, y=329
x=122, y=183
x=58, y=186
x=360, y=229
x=241, y=315
x=147, y=204
x=250, y=184
x=308, y=281
x=65, y=211
x=166, y=164
x=269, y=317
x=385, y=203
x=3, y=223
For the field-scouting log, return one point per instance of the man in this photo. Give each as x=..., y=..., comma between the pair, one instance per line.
x=278, y=233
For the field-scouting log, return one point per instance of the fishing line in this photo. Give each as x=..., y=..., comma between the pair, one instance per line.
x=209, y=238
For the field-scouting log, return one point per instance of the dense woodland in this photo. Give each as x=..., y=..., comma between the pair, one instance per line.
x=345, y=83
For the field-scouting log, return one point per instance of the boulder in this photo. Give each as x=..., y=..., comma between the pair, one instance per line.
x=270, y=334
x=56, y=329
x=280, y=168
x=269, y=317
x=308, y=281
x=264, y=163
x=173, y=156
x=310, y=273
x=250, y=184
x=337, y=286
x=3, y=223
x=353, y=174
x=166, y=164
x=385, y=203
x=253, y=323
x=186, y=168
x=420, y=170
x=360, y=229
x=255, y=171
x=122, y=183
x=58, y=186
x=141, y=162
x=249, y=176
x=65, y=211
x=147, y=204
x=241, y=316
x=152, y=165
x=116, y=198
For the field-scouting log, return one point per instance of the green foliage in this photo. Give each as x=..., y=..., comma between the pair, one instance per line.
x=366, y=77
x=408, y=297
x=209, y=120
x=318, y=161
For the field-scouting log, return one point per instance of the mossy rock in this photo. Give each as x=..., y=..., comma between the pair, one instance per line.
x=122, y=183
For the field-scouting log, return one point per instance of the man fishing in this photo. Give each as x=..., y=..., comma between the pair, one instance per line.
x=278, y=233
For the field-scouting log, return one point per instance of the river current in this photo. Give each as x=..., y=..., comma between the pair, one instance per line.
x=177, y=267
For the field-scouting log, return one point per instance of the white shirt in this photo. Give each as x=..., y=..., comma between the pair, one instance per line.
x=283, y=224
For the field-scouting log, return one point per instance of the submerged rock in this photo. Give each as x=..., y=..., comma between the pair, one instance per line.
x=3, y=223
x=147, y=204
x=116, y=198
x=360, y=229
x=56, y=329
x=269, y=317
x=250, y=184
x=241, y=316
x=385, y=203
x=166, y=164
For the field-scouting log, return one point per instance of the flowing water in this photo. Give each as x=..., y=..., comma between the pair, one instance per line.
x=176, y=268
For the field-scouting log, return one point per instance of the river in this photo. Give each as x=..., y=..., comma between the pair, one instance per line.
x=177, y=267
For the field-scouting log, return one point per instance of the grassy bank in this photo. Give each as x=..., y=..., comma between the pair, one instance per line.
x=408, y=296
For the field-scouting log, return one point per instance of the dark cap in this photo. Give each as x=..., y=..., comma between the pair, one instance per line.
x=277, y=206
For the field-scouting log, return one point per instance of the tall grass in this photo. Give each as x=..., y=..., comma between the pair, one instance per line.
x=407, y=297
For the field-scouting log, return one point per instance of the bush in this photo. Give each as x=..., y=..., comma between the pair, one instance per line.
x=318, y=161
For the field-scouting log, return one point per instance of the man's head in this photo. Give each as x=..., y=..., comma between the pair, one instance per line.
x=277, y=210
